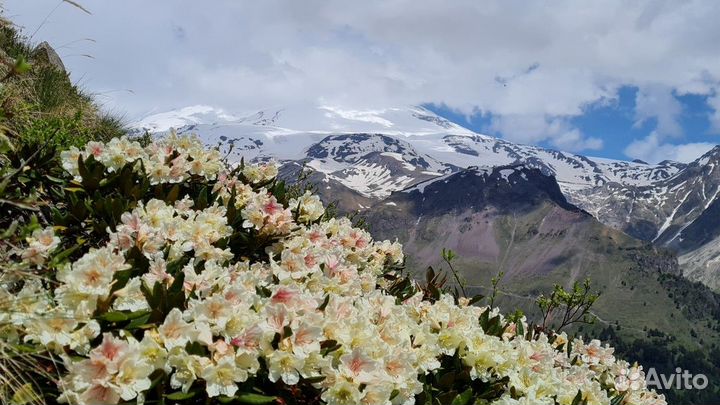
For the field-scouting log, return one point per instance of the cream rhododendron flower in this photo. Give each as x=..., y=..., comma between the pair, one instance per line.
x=309, y=208
x=40, y=244
x=260, y=173
x=266, y=215
x=175, y=332
x=130, y=297
x=594, y=353
x=343, y=393
x=223, y=376
x=284, y=365
x=208, y=295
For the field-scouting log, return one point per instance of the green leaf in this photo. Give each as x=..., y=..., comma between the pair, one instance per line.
x=430, y=275
x=114, y=316
x=181, y=396
x=446, y=380
x=578, y=398
x=22, y=348
x=475, y=299
x=464, y=398
x=55, y=179
x=58, y=258
x=147, y=292
x=139, y=322
x=176, y=294
x=137, y=314
x=177, y=284
x=276, y=340
x=329, y=346
x=25, y=394
x=172, y=196
x=158, y=292
x=232, y=212
x=175, y=266
x=618, y=399
x=20, y=204
x=252, y=398
x=314, y=380
x=10, y=230
x=202, y=200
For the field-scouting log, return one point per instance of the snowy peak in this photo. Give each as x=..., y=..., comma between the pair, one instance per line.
x=351, y=148
x=184, y=117
x=574, y=172
x=372, y=164
x=315, y=119
x=711, y=157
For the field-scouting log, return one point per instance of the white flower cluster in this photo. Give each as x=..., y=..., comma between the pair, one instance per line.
x=172, y=160
x=153, y=226
x=40, y=245
x=261, y=210
x=309, y=207
x=65, y=318
x=264, y=214
x=311, y=310
x=260, y=173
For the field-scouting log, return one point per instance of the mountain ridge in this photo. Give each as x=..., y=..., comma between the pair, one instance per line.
x=367, y=155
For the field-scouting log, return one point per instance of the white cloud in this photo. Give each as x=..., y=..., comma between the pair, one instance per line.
x=657, y=102
x=652, y=149
x=572, y=140
x=513, y=58
x=714, y=103
x=526, y=128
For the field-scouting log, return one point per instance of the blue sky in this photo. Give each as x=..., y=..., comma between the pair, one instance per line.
x=614, y=122
x=610, y=78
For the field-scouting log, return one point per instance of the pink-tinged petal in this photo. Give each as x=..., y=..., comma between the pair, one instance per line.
x=284, y=296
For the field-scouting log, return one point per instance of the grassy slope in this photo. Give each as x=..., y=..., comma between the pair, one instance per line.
x=632, y=297
x=43, y=104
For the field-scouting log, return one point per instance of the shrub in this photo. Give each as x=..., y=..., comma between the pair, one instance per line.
x=166, y=276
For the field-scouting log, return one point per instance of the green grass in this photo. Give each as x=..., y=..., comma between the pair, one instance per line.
x=43, y=104
x=12, y=43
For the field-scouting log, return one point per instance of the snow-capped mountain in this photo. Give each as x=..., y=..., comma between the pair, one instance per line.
x=373, y=165
x=368, y=151
x=291, y=134
x=286, y=133
x=661, y=210
x=375, y=153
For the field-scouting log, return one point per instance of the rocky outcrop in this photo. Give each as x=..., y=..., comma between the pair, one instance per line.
x=44, y=53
